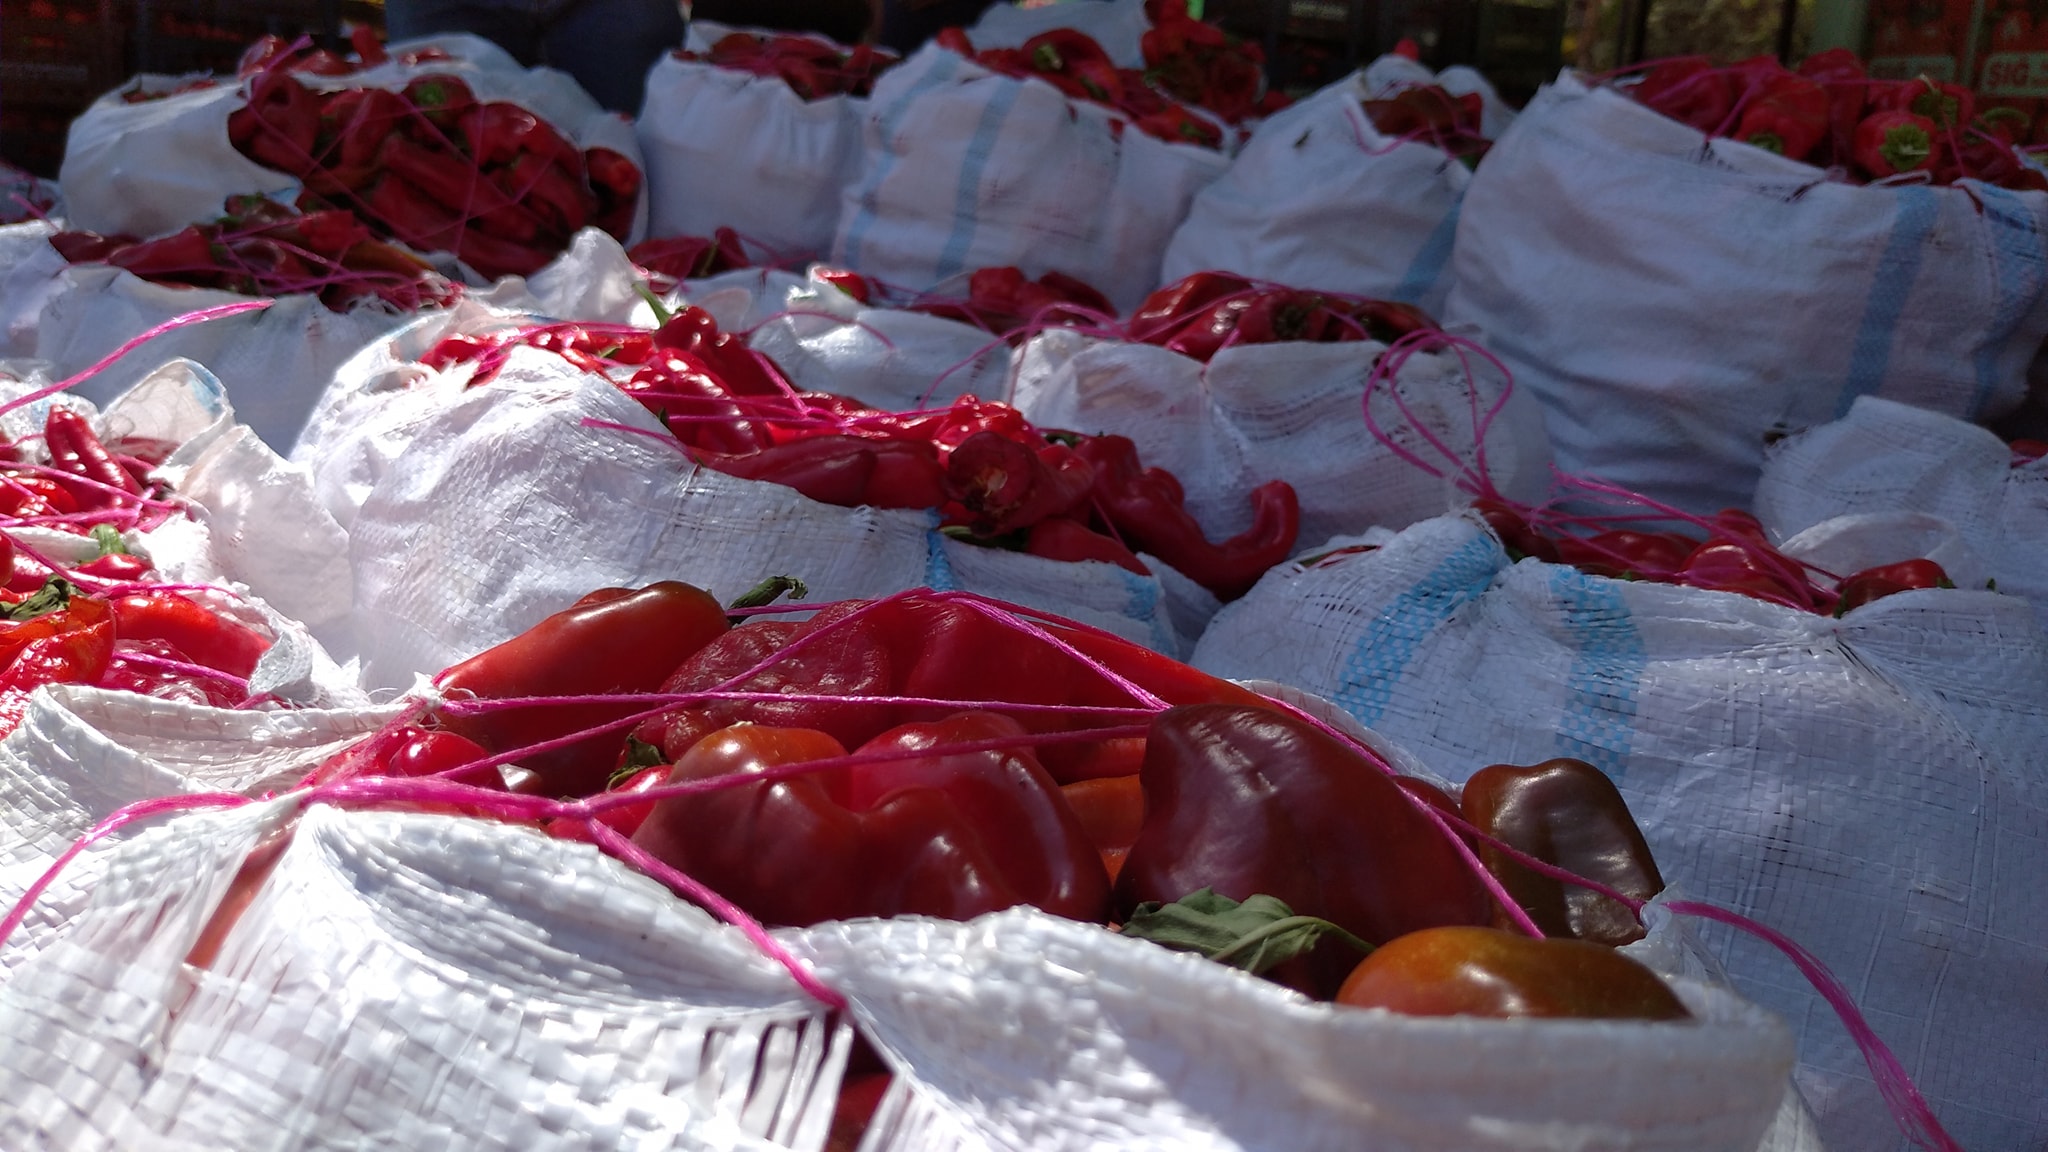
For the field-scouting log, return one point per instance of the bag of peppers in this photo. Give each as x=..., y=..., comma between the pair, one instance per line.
x=331, y=285
x=847, y=334
x=757, y=132
x=1819, y=749
x=494, y=165
x=1678, y=299
x=933, y=840
x=602, y=452
x=1288, y=208
x=1230, y=383
x=974, y=161
x=1885, y=458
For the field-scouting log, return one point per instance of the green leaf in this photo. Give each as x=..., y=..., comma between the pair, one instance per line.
x=108, y=538
x=1256, y=935
x=53, y=596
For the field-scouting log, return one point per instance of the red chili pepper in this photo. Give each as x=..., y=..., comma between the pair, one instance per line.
x=1144, y=505
x=203, y=635
x=1061, y=538
x=1689, y=89
x=624, y=644
x=936, y=833
x=1007, y=485
x=1725, y=566
x=409, y=214
x=145, y=679
x=444, y=99
x=616, y=182
x=89, y=247
x=1891, y=142
x=558, y=197
x=113, y=566
x=190, y=255
x=29, y=495
x=1886, y=579
x=1627, y=554
x=75, y=449
x=954, y=40
x=1250, y=801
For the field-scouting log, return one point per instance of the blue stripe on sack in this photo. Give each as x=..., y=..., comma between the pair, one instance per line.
x=1435, y=255
x=1599, y=714
x=2017, y=271
x=938, y=75
x=1890, y=290
x=1141, y=603
x=967, y=196
x=1392, y=638
x=938, y=571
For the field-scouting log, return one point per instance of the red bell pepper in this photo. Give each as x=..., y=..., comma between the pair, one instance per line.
x=927, y=832
x=1251, y=801
x=1887, y=579
x=444, y=100
x=1008, y=485
x=615, y=641
x=1891, y=142
x=1567, y=813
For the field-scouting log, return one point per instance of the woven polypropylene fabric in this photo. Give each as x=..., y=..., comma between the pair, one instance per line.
x=1677, y=302
x=964, y=168
x=80, y=754
x=1039, y=1033
x=884, y=357
x=1294, y=412
x=1869, y=786
x=1888, y=457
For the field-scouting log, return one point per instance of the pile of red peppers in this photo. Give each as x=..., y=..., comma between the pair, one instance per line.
x=1071, y=61
x=262, y=248
x=994, y=478
x=1430, y=114
x=1209, y=311
x=1736, y=556
x=153, y=641
x=434, y=168
x=944, y=755
x=813, y=68
x=1831, y=114
x=671, y=260
x=1201, y=64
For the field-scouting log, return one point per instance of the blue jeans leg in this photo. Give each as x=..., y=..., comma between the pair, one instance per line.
x=610, y=45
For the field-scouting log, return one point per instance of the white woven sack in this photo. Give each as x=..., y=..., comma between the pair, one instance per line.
x=154, y=167
x=1318, y=198
x=1118, y=25
x=729, y=149
x=511, y=501
x=1866, y=785
x=1675, y=302
x=405, y=981
x=1289, y=411
x=81, y=754
x=1390, y=73
x=274, y=362
x=1887, y=457
x=28, y=275
x=419, y=980
x=966, y=169
x=885, y=357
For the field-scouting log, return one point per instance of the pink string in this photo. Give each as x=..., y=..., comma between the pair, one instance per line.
x=141, y=810
x=203, y=315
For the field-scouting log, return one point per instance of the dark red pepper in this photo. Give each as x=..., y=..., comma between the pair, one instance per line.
x=1887, y=579
x=1567, y=813
x=1250, y=801
x=1144, y=505
x=75, y=450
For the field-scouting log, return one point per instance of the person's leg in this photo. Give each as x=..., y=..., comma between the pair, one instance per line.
x=510, y=24
x=609, y=46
